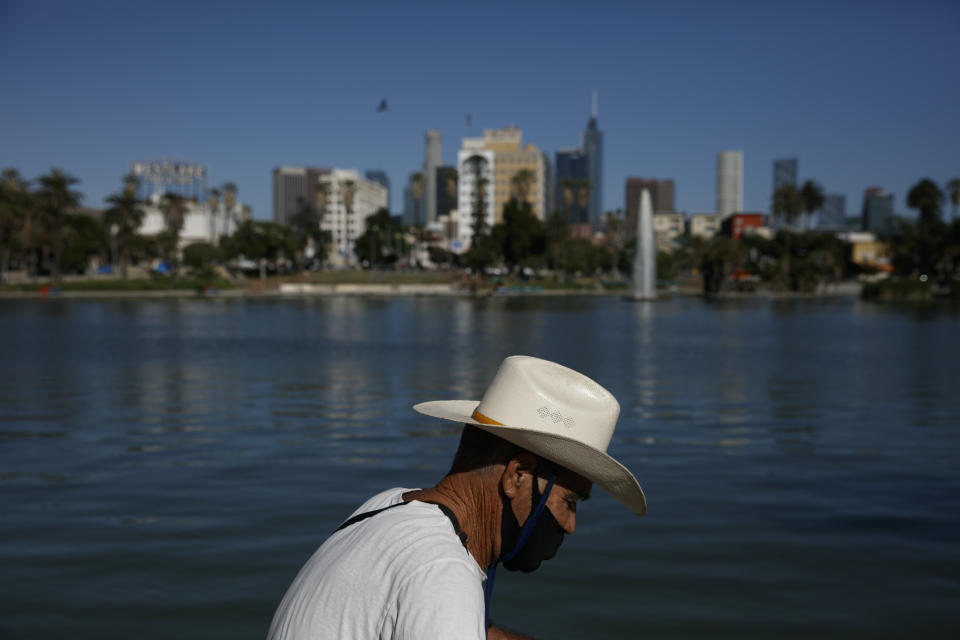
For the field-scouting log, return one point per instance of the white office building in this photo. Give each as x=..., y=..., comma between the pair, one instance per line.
x=200, y=223
x=729, y=182
x=350, y=200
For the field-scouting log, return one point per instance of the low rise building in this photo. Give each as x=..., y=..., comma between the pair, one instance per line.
x=350, y=200
x=736, y=224
x=705, y=225
x=201, y=222
x=668, y=227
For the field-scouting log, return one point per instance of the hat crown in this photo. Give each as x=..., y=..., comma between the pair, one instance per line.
x=547, y=397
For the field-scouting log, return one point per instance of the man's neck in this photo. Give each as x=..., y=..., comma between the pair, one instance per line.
x=477, y=512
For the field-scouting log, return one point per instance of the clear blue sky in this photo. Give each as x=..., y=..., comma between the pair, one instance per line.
x=863, y=93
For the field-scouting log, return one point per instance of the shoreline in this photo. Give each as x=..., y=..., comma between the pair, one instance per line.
x=314, y=290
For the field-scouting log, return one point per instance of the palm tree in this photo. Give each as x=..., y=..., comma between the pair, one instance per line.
x=583, y=199
x=812, y=196
x=416, y=183
x=126, y=216
x=229, y=202
x=57, y=200
x=521, y=183
x=213, y=203
x=450, y=176
x=174, y=208
x=926, y=197
x=789, y=203
x=953, y=189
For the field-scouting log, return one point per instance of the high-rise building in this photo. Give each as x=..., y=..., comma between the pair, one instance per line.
x=294, y=188
x=500, y=155
x=729, y=182
x=346, y=210
x=593, y=148
x=784, y=172
x=380, y=177
x=661, y=197
x=877, y=211
x=833, y=214
x=433, y=158
x=572, y=168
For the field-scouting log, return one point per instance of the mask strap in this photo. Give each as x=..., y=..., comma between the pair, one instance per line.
x=524, y=534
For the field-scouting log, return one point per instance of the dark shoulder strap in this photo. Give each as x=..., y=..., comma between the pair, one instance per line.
x=367, y=514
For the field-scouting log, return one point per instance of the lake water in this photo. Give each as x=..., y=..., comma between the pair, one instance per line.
x=167, y=466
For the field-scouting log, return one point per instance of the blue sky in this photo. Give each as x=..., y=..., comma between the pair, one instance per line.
x=863, y=93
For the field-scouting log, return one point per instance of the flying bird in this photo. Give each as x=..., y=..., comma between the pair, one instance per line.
x=382, y=106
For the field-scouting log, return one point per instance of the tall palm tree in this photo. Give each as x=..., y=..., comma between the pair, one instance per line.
x=229, y=190
x=521, y=183
x=812, y=196
x=926, y=197
x=213, y=203
x=416, y=183
x=174, y=209
x=450, y=176
x=567, y=190
x=583, y=199
x=788, y=202
x=953, y=189
x=125, y=215
x=56, y=200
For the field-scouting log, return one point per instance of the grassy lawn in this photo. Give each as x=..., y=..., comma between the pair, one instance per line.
x=143, y=284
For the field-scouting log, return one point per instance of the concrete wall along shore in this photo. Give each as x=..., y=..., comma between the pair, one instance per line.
x=370, y=289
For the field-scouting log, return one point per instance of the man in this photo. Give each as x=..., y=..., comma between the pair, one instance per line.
x=410, y=562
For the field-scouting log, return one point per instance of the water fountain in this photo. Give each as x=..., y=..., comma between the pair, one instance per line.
x=645, y=261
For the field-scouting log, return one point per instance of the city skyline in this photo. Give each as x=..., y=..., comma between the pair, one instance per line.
x=96, y=87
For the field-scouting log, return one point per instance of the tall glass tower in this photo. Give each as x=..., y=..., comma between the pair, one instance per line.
x=593, y=149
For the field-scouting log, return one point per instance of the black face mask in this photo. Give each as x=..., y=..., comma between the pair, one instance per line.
x=541, y=544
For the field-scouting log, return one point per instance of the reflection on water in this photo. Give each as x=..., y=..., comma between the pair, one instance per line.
x=168, y=465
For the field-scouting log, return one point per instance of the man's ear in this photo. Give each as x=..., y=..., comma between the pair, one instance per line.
x=518, y=470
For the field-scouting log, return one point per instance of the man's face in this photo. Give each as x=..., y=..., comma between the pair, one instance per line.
x=567, y=491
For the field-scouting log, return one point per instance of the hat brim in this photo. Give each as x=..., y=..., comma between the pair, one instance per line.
x=595, y=465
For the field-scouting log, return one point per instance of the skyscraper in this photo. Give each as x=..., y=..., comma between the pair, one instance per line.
x=877, y=211
x=833, y=214
x=784, y=172
x=593, y=148
x=433, y=158
x=729, y=182
x=571, y=165
x=293, y=188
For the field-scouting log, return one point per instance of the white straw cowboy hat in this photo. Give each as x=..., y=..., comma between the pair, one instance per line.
x=554, y=412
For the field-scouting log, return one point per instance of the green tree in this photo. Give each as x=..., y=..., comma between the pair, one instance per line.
x=789, y=203
x=15, y=216
x=261, y=241
x=201, y=257
x=124, y=216
x=522, y=233
x=83, y=237
x=381, y=240
x=926, y=197
x=953, y=189
x=521, y=183
x=811, y=195
x=56, y=199
x=174, y=209
x=722, y=257
x=478, y=217
x=557, y=231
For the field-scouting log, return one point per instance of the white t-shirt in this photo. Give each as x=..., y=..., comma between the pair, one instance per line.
x=401, y=574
